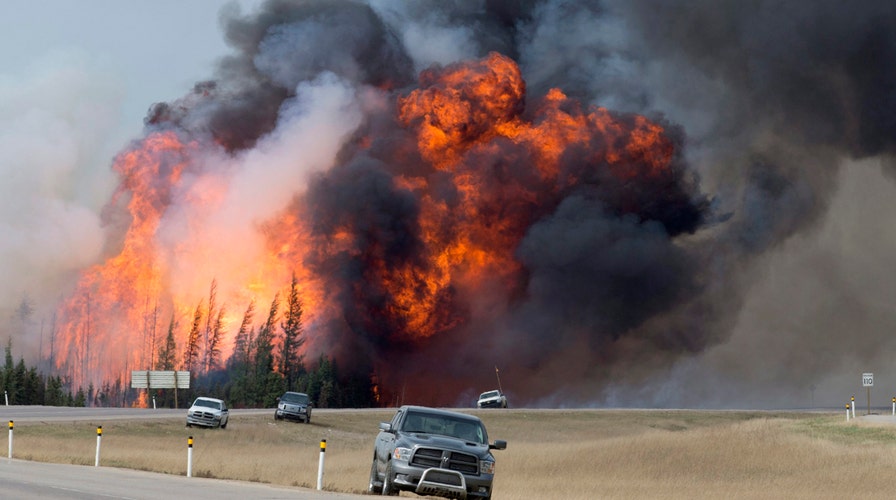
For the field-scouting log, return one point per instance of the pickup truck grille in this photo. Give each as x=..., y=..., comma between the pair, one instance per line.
x=433, y=457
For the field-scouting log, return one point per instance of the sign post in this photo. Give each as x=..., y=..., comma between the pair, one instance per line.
x=868, y=382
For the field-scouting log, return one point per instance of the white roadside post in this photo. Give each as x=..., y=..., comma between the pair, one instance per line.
x=10, y=439
x=190, y=456
x=852, y=402
x=99, y=438
x=894, y=406
x=320, y=465
x=847, y=412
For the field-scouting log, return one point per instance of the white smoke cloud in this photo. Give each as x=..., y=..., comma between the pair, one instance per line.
x=259, y=184
x=55, y=120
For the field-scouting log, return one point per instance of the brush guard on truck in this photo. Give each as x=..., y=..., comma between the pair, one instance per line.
x=442, y=482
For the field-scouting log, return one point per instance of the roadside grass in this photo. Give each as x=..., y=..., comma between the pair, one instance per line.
x=575, y=454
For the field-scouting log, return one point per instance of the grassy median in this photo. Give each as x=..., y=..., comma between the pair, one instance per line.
x=576, y=454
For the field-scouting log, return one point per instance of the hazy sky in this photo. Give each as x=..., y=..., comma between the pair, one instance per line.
x=139, y=51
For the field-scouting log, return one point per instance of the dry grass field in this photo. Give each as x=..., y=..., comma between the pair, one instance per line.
x=574, y=454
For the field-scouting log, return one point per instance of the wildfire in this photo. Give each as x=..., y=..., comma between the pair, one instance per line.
x=490, y=169
x=106, y=315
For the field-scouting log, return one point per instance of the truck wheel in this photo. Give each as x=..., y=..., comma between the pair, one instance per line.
x=389, y=488
x=372, y=487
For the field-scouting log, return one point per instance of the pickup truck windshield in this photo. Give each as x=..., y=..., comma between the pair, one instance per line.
x=467, y=430
x=294, y=398
x=208, y=404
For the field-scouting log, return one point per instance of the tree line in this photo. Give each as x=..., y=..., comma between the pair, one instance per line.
x=265, y=362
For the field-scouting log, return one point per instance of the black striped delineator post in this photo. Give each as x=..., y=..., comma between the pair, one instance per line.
x=190, y=456
x=320, y=466
x=99, y=437
x=10, y=439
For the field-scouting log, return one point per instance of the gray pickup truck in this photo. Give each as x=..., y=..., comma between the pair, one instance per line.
x=433, y=452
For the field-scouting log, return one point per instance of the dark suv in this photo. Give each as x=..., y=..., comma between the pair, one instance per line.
x=293, y=406
x=433, y=452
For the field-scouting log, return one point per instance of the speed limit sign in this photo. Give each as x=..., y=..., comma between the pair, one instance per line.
x=867, y=380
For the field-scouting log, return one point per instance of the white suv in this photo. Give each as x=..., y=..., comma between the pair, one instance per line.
x=208, y=412
x=492, y=399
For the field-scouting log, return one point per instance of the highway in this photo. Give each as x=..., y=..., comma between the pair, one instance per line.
x=26, y=480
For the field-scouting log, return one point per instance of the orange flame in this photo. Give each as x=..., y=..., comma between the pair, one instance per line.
x=100, y=337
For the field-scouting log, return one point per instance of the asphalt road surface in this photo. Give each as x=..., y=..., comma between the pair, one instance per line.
x=26, y=480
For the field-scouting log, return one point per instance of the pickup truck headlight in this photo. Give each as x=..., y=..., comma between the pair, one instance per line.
x=402, y=454
x=486, y=467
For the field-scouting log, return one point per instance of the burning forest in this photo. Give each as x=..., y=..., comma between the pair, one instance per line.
x=575, y=192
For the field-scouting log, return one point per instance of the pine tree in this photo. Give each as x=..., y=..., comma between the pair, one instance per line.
x=9, y=379
x=34, y=387
x=216, y=336
x=54, y=395
x=267, y=383
x=80, y=399
x=150, y=319
x=168, y=350
x=18, y=392
x=207, y=341
x=240, y=384
x=293, y=338
x=191, y=351
x=329, y=386
x=242, y=343
x=167, y=362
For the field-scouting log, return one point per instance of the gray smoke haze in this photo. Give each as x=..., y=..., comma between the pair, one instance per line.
x=53, y=125
x=754, y=274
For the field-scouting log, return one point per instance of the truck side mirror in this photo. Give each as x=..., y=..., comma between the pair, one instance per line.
x=499, y=444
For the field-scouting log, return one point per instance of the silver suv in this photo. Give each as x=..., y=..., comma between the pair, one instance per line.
x=433, y=452
x=293, y=406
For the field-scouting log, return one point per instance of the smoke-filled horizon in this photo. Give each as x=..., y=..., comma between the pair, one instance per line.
x=613, y=203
